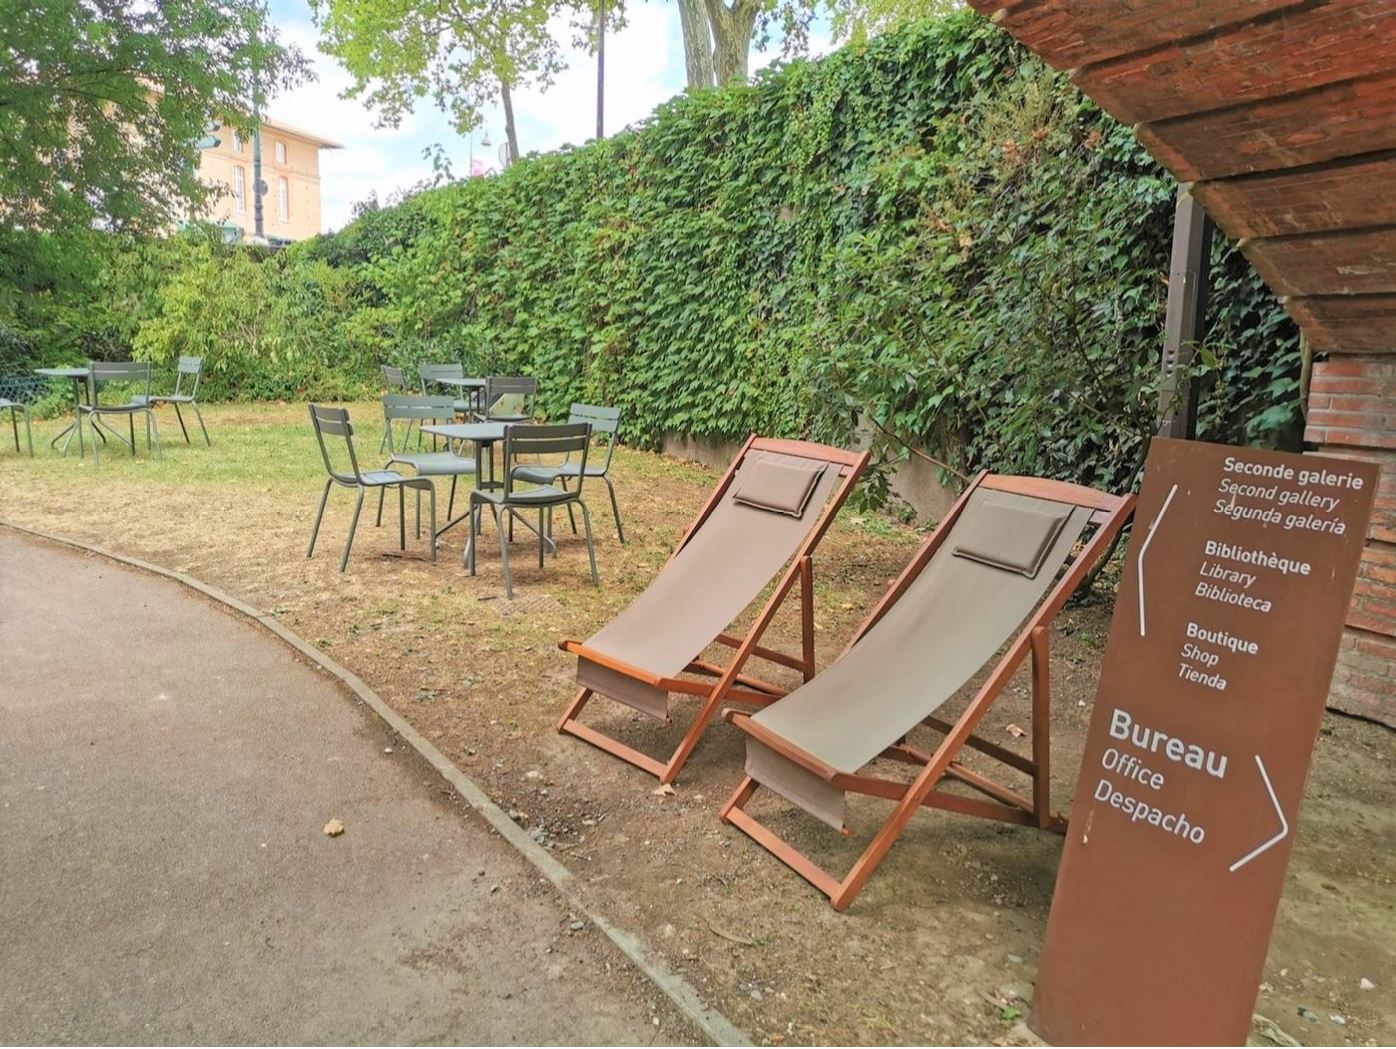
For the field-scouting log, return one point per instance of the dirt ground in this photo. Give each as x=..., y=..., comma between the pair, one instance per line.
x=942, y=944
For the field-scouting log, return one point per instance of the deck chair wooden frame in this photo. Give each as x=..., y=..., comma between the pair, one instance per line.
x=999, y=802
x=715, y=683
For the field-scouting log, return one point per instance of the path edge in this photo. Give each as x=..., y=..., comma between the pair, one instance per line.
x=678, y=990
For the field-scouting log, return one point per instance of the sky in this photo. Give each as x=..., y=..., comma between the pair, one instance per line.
x=644, y=67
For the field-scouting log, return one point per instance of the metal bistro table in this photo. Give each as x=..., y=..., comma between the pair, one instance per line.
x=79, y=377
x=472, y=391
x=484, y=436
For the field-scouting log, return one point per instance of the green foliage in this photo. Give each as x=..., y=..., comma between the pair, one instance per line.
x=102, y=103
x=267, y=326
x=929, y=239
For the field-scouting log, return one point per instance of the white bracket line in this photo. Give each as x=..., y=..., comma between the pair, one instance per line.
x=1284, y=823
x=1139, y=565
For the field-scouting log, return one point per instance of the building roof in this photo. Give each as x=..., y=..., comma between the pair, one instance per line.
x=309, y=136
x=1280, y=115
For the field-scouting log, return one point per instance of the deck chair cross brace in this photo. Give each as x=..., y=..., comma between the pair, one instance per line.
x=811, y=746
x=767, y=515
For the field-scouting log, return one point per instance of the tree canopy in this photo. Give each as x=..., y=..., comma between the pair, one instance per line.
x=459, y=53
x=103, y=103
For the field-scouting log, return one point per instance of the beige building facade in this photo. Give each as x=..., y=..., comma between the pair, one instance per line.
x=290, y=169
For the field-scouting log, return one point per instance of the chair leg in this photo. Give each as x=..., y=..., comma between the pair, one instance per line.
x=571, y=514
x=180, y=416
x=419, y=514
x=155, y=430
x=14, y=424
x=28, y=433
x=451, y=502
x=542, y=531
x=615, y=509
x=468, y=554
x=402, y=517
x=200, y=416
x=499, y=527
x=96, y=454
x=315, y=528
x=131, y=425
x=431, y=499
x=378, y=523
x=591, y=547
x=353, y=525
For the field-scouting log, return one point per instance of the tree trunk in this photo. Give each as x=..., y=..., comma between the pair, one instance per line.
x=511, y=133
x=697, y=43
x=732, y=28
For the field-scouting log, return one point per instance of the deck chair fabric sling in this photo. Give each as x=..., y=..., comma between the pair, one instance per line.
x=996, y=572
x=768, y=514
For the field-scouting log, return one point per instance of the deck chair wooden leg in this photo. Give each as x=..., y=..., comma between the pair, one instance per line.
x=574, y=708
x=734, y=812
x=1042, y=726
x=807, y=614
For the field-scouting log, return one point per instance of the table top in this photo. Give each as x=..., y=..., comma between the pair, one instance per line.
x=469, y=384
x=63, y=373
x=481, y=433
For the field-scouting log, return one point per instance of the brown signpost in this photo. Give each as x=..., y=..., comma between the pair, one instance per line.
x=1221, y=652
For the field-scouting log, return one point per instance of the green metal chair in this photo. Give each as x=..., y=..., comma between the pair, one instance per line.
x=567, y=439
x=438, y=461
x=334, y=423
x=509, y=399
x=394, y=382
x=16, y=410
x=603, y=421
x=191, y=368
x=101, y=373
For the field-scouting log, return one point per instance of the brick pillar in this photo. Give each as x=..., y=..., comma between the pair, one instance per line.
x=1352, y=413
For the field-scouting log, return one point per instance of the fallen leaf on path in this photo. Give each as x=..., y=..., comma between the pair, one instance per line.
x=663, y=790
x=334, y=828
x=1015, y=731
x=717, y=930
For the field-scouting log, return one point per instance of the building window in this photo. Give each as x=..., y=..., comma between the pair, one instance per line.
x=281, y=152
x=283, y=199
x=237, y=142
x=239, y=189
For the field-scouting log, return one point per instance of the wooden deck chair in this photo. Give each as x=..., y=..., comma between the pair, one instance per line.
x=995, y=572
x=770, y=511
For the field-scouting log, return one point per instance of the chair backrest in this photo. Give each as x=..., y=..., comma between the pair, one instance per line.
x=334, y=424
x=395, y=379
x=428, y=372
x=100, y=372
x=431, y=408
x=603, y=420
x=554, y=439
x=520, y=388
x=189, y=366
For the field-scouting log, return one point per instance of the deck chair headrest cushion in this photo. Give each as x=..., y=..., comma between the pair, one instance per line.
x=782, y=486
x=1014, y=538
